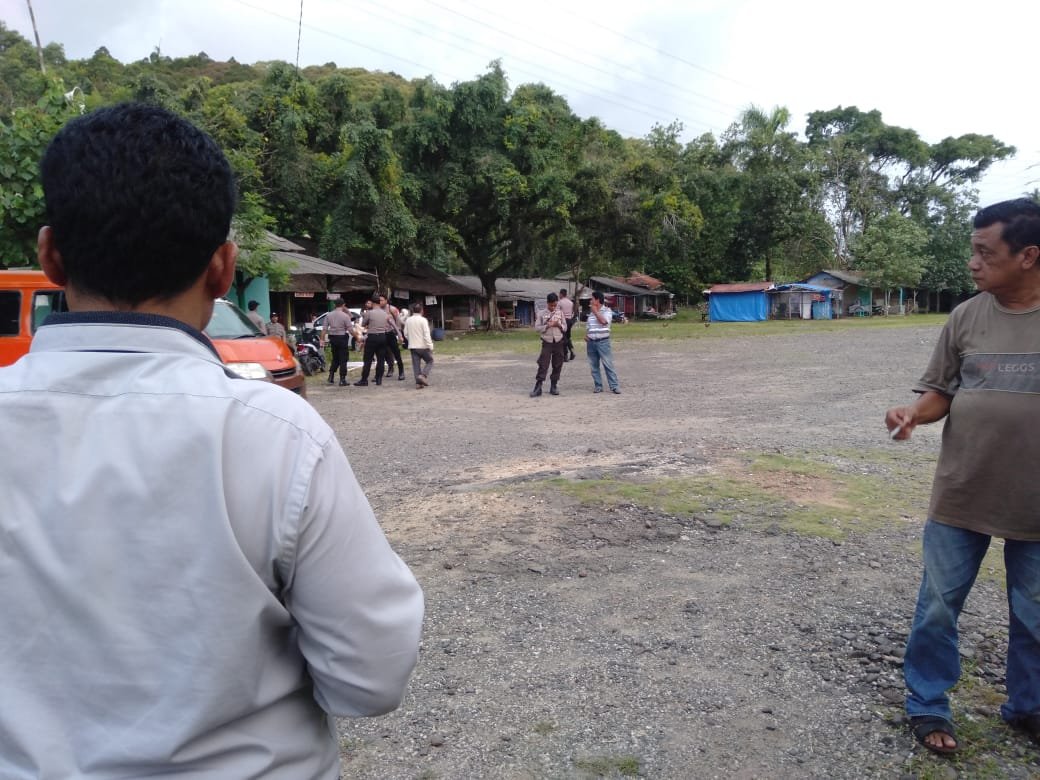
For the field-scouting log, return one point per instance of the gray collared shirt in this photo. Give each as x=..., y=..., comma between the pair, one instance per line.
x=193, y=578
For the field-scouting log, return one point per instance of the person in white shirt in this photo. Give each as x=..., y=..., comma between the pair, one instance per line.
x=420, y=345
x=597, y=344
x=175, y=606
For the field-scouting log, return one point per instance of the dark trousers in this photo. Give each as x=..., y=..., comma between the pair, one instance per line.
x=375, y=347
x=393, y=353
x=340, y=355
x=568, y=344
x=552, y=351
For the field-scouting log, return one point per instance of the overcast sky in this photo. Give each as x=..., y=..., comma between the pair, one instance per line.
x=939, y=68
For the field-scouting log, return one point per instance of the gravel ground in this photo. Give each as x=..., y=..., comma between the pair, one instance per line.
x=567, y=637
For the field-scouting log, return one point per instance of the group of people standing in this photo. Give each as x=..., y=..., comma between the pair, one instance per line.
x=272, y=328
x=555, y=324
x=381, y=331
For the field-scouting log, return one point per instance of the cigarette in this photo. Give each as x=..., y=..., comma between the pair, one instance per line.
x=895, y=431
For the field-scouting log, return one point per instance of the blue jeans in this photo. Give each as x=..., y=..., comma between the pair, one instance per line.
x=931, y=667
x=599, y=352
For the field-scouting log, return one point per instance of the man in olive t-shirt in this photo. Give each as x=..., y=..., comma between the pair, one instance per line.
x=984, y=378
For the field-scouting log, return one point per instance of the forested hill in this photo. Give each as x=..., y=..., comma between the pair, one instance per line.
x=505, y=180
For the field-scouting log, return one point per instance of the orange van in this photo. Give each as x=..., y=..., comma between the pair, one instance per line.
x=249, y=353
x=27, y=296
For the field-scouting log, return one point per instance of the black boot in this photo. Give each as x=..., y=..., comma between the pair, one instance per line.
x=553, y=390
x=343, y=381
x=332, y=378
x=537, y=390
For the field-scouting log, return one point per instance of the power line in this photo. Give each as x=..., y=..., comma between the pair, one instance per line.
x=299, y=37
x=679, y=87
x=551, y=51
x=631, y=105
x=427, y=69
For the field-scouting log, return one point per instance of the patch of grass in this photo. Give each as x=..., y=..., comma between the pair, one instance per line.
x=544, y=728
x=801, y=495
x=603, y=766
x=685, y=326
x=992, y=567
x=985, y=750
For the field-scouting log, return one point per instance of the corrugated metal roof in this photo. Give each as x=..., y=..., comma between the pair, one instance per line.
x=803, y=287
x=312, y=274
x=638, y=279
x=426, y=279
x=624, y=287
x=516, y=289
x=273, y=241
x=741, y=287
x=305, y=264
x=845, y=276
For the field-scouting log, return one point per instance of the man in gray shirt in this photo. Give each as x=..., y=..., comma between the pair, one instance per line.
x=338, y=326
x=376, y=323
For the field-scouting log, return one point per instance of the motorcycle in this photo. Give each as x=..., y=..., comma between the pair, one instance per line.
x=310, y=352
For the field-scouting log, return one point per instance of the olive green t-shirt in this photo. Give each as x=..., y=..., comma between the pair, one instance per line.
x=988, y=361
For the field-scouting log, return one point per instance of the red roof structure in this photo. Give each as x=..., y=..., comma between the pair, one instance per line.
x=637, y=279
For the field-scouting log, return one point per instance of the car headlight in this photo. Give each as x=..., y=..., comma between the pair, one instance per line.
x=250, y=371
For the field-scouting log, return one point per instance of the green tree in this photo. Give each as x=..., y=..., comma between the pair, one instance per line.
x=868, y=167
x=23, y=139
x=249, y=228
x=21, y=81
x=369, y=220
x=890, y=253
x=493, y=171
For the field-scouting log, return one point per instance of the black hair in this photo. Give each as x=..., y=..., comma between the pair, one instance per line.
x=598, y=295
x=376, y=296
x=253, y=305
x=138, y=200
x=416, y=308
x=551, y=298
x=1020, y=218
x=563, y=292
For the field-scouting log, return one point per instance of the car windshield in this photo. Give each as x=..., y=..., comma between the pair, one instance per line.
x=228, y=322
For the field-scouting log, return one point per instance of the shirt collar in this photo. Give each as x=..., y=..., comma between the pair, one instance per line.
x=128, y=318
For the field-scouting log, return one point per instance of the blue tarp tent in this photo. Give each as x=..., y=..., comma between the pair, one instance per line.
x=739, y=302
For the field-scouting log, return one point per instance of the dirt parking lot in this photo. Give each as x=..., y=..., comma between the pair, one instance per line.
x=709, y=575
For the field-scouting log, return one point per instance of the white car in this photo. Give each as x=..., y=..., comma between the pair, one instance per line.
x=319, y=324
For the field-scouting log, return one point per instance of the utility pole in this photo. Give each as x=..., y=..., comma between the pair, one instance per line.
x=39, y=48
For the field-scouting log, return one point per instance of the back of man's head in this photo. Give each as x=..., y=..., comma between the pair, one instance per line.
x=138, y=200
x=1020, y=218
x=254, y=305
x=416, y=308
